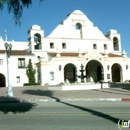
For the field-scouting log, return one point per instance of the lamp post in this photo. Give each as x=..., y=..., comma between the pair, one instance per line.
x=8, y=48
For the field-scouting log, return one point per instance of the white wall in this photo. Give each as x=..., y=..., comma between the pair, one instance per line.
x=3, y=67
x=15, y=71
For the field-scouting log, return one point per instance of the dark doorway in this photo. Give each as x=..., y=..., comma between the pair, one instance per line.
x=116, y=71
x=99, y=75
x=2, y=80
x=94, y=70
x=70, y=73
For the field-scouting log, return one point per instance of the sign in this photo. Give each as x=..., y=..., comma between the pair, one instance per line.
x=123, y=124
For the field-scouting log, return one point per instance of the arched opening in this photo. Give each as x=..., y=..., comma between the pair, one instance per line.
x=37, y=40
x=79, y=28
x=2, y=80
x=116, y=72
x=70, y=71
x=115, y=44
x=94, y=71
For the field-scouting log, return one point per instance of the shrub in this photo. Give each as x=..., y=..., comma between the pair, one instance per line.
x=30, y=72
x=30, y=84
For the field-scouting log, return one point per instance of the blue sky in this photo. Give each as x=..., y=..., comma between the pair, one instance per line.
x=105, y=14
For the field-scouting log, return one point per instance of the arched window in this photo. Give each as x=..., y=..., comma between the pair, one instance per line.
x=78, y=26
x=115, y=44
x=37, y=40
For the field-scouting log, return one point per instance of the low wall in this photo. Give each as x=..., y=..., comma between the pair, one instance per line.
x=89, y=86
x=84, y=86
x=79, y=86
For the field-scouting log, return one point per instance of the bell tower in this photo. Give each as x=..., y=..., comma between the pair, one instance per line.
x=35, y=36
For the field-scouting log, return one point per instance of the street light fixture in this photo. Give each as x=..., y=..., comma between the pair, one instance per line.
x=8, y=48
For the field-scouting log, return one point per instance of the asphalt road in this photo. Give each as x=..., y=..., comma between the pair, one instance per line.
x=63, y=116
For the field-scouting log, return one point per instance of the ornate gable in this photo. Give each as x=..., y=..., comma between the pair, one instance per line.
x=93, y=55
x=77, y=26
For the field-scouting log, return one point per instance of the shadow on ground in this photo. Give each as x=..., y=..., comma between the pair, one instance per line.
x=127, y=88
x=39, y=92
x=14, y=105
x=120, y=90
x=50, y=94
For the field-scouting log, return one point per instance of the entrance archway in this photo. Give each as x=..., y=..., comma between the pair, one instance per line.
x=94, y=71
x=2, y=80
x=116, y=72
x=70, y=71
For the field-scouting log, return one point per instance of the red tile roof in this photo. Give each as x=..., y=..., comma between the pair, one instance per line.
x=24, y=52
x=2, y=51
x=64, y=54
x=112, y=55
x=18, y=52
x=76, y=54
x=69, y=54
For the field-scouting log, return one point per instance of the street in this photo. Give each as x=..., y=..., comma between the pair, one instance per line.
x=63, y=115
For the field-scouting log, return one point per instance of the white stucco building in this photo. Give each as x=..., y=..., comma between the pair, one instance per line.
x=58, y=57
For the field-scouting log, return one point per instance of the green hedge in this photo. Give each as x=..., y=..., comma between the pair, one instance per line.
x=29, y=84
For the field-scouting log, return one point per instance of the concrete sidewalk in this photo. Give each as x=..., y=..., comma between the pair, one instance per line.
x=42, y=94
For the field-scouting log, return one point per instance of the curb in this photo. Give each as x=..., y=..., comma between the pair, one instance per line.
x=125, y=99
x=65, y=100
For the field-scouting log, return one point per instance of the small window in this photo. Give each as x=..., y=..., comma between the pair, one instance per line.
x=64, y=45
x=38, y=57
x=51, y=75
x=21, y=62
x=94, y=46
x=18, y=79
x=51, y=45
x=105, y=46
x=1, y=61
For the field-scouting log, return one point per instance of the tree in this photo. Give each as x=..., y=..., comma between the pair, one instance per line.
x=16, y=7
x=30, y=72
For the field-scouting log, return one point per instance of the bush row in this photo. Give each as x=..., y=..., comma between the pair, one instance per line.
x=30, y=84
